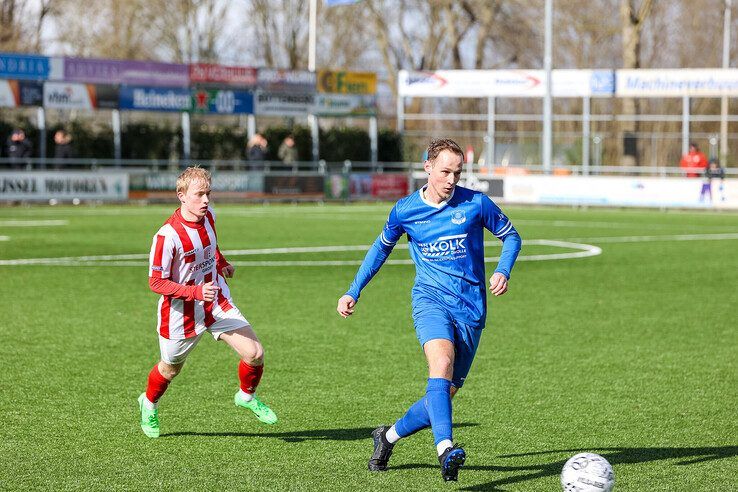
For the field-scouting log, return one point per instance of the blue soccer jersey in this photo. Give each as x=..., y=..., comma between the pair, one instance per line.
x=446, y=243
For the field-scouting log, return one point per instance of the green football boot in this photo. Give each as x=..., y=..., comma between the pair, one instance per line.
x=262, y=412
x=149, y=418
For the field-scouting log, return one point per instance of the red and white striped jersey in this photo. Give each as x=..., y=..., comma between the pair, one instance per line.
x=185, y=252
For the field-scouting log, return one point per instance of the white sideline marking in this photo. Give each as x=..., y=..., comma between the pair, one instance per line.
x=583, y=250
x=4, y=238
x=675, y=237
x=33, y=223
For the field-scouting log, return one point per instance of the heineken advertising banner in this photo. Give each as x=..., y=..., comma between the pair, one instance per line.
x=345, y=105
x=155, y=99
x=343, y=82
x=60, y=95
x=283, y=104
x=210, y=73
x=222, y=101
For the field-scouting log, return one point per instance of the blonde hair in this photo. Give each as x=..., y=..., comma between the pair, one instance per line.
x=191, y=174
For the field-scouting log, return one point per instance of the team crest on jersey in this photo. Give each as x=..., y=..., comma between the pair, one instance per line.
x=458, y=217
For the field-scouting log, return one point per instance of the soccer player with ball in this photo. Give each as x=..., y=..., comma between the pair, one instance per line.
x=189, y=272
x=445, y=227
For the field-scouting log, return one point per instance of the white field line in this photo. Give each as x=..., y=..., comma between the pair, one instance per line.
x=583, y=250
x=674, y=237
x=4, y=238
x=33, y=223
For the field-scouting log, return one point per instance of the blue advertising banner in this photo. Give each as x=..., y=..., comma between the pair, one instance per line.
x=155, y=99
x=25, y=67
x=222, y=101
x=31, y=93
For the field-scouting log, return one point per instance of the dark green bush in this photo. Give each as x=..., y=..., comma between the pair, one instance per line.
x=150, y=140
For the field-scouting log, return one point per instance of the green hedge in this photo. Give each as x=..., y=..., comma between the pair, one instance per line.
x=156, y=141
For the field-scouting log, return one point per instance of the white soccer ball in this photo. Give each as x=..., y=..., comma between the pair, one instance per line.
x=587, y=472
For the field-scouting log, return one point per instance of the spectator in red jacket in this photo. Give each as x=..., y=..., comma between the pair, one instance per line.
x=694, y=161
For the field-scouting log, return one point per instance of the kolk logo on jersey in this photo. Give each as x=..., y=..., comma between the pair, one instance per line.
x=447, y=247
x=458, y=217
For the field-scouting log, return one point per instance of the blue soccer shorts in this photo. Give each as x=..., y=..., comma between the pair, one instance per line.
x=433, y=321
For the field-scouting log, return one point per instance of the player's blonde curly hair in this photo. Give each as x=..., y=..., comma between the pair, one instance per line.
x=191, y=174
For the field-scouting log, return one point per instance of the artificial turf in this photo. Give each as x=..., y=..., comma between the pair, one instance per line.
x=632, y=354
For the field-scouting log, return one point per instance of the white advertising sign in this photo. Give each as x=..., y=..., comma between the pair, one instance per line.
x=505, y=83
x=472, y=83
x=621, y=191
x=44, y=186
x=677, y=83
x=59, y=95
x=345, y=105
x=283, y=104
x=9, y=97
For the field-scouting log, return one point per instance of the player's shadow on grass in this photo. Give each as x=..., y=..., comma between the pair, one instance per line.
x=355, y=434
x=615, y=456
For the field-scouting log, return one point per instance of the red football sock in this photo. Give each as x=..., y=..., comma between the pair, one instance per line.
x=157, y=385
x=249, y=376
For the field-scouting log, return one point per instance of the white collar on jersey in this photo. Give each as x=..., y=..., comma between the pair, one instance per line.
x=435, y=205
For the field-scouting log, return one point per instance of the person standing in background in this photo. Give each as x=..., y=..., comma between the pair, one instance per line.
x=18, y=147
x=694, y=161
x=287, y=151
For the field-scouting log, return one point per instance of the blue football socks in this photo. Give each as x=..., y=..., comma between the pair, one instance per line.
x=415, y=419
x=438, y=396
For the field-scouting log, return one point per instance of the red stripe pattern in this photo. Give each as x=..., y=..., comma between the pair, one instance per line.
x=208, y=306
x=156, y=271
x=166, y=305
x=186, y=253
x=188, y=250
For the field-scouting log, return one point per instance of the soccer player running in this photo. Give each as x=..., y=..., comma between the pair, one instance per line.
x=445, y=227
x=188, y=270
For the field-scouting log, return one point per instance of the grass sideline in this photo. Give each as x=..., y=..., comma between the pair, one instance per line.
x=630, y=354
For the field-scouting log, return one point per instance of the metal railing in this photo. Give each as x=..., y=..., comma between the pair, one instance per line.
x=323, y=167
x=156, y=165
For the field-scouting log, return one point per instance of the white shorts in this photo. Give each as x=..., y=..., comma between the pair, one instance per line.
x=176, y=351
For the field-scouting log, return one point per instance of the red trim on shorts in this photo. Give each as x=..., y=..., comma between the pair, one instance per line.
x=208, y=306
x=158, y=253
x=164, y=328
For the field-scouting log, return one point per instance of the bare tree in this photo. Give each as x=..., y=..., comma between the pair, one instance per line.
x=632, y=19
x=278, y=30
x=119, y=30
x=189, y=30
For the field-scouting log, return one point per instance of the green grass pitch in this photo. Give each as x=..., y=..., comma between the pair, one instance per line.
x=631, y=353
